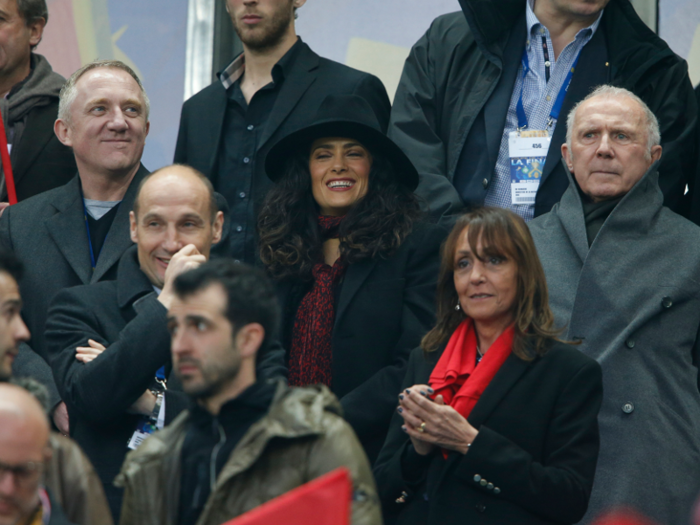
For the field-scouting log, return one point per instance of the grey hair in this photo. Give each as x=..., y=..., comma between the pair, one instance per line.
x=69, y=91
x=652, y=123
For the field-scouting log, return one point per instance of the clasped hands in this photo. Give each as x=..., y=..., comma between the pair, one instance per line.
x=431, y=423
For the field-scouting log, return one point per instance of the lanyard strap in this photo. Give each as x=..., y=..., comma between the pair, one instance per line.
x=556, y=109
x=6, y=165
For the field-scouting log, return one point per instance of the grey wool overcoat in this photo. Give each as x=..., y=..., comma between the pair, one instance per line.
x=633, y=300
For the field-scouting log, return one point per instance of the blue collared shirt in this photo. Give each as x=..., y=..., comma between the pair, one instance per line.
x=539, y=96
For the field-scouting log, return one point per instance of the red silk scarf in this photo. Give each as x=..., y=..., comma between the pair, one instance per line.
x=457, y=378
x=311, y=352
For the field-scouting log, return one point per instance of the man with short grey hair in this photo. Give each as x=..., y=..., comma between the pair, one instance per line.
x=28, y=102
x=622, y=272
x=77, y=233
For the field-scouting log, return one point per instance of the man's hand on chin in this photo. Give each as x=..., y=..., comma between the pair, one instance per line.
x=188, y=258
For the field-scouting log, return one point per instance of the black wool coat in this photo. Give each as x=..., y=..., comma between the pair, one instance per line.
x=532, y=462
x=311, y=80
x=125, y=316
x=384, y=308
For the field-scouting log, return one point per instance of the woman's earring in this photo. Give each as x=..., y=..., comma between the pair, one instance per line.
x=458, y=307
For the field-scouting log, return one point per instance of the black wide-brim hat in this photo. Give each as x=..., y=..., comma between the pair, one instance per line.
x=347, y=116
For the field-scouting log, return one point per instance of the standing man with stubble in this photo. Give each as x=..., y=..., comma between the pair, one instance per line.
x=266, y=92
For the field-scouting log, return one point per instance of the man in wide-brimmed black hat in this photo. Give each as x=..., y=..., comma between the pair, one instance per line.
x=267, y=91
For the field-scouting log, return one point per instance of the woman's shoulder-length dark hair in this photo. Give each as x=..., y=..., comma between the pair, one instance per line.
x=503, y=234
x=290, y=240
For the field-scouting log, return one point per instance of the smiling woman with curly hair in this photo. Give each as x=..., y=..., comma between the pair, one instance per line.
x=356, y=265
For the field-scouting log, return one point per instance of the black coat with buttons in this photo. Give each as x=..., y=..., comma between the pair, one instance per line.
x=532, y=462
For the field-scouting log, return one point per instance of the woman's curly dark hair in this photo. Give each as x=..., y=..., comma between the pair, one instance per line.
x=290, y=240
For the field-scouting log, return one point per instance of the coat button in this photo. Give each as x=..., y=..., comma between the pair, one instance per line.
x=496, y=490
x=628, y=408
x=667, y=302
x=629, y=343
x=480, y=507
x=485, y=182
x=483, y=482
x=477, y=478
x=489, y=486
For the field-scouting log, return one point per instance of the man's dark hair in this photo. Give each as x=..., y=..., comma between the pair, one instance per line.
x=32, y=10
x=250, y=294
x=10, y=264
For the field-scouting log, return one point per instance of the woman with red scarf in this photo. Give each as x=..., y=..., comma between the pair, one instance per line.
x=356, y=264
x=497, y=421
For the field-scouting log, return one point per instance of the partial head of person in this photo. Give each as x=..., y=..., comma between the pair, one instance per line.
x=223, y=314
x=490, y=272
x=340, y=165
x=612, y=139
x=21, y=30
x=175, y=212
x=24, y=435
x=103, y=115
x=263, y=24
x=12, y=328
x=584, y=10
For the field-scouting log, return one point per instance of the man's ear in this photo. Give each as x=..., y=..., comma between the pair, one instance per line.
x=63, y=132
x=249, y=339
x=299, y=3
x=36, y=31
x=568, y=158
x=655, y=154
x=217, y=227
x=132, y=227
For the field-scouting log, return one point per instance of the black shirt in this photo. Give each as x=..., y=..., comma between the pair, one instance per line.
x=242, y=130
x=211, y=439
x=99, y=229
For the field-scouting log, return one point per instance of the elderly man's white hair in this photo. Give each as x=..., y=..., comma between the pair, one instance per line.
x=652, y=123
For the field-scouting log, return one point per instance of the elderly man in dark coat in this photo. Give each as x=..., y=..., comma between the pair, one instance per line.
x=624, y=279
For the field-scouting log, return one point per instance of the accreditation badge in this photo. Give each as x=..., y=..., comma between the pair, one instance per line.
x=527, y=151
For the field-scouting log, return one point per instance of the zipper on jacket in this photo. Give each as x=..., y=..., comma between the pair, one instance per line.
x=214, y=456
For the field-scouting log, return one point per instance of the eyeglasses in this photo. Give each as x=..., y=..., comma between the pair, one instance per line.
x=25, y=474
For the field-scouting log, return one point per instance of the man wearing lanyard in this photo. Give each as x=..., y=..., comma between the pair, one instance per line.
x=76, y=234
x=481, y=103
x=108, y=342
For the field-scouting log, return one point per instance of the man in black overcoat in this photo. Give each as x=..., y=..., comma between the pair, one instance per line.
x=75, y=234
x=457, y=100
x=272, y=88
x=108, y=343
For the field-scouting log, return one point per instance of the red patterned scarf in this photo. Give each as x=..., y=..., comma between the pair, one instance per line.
x=457, y=378
x=311, y=352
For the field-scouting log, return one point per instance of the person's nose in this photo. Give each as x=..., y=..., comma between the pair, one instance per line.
x=172, y=242
x=118, y=121
x=21, y=332
x=477, y=274
x=605, y=146
x=339, y=164
x=7, y=483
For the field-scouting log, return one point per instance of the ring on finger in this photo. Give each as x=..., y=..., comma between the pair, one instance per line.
x=422, y=426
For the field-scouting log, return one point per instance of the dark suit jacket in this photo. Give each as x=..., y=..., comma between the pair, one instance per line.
x=39, y=161
x=384, y=308
x=47, y=233
x=537, y=443
x=301, y=94
x=125, y=316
